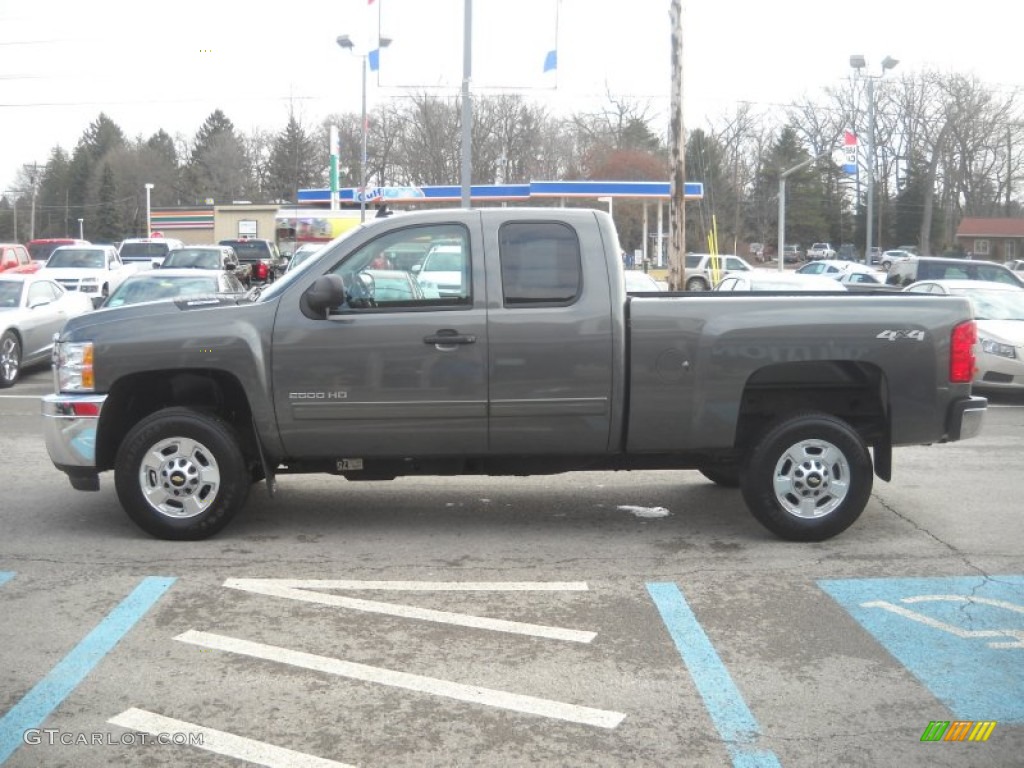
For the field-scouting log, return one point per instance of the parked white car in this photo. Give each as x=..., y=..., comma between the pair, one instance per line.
x=640, y=282
x=32, y=309
x=999, y=314
x=94, y=270
x=768, y=280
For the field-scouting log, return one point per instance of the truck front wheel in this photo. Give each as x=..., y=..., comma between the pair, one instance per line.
x=808, y=478
x=181, y=475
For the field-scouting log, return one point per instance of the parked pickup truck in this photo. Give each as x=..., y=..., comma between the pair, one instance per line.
x=820, y=251
x=536, y=362
x=95, y=270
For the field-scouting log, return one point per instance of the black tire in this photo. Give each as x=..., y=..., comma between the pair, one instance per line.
x=725, y=475
x=196, y=485
x=10, y=359
x=808, y=477
x=696, y=284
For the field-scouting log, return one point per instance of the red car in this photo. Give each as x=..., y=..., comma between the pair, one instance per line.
x=41, y=249
x=15, y=258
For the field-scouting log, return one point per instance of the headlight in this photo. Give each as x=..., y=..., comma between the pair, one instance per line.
x=72, y=365
x=998, y=348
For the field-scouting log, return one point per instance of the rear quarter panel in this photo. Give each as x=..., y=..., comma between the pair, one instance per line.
x=692, y=356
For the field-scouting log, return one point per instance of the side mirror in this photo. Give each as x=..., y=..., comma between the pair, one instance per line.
x=416, y=269
x=229, y=267
x=326, y=293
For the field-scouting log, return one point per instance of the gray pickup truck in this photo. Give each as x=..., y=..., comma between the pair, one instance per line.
x=533, y=360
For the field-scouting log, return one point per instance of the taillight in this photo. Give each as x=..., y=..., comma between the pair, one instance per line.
x=261, y=270
x=961, y=352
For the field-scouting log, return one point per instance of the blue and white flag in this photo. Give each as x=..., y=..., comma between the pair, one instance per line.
x=551, y=61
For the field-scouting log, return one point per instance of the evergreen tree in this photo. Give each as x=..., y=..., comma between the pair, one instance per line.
x=806, y=197
x=102, y=137
x=294, y=161
x=54, y=199
x=108, y=227
x=217, y=165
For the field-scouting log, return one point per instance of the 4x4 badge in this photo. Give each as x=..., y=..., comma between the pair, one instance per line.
x=901, y=334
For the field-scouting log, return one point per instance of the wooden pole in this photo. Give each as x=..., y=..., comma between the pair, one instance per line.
x=677, y=190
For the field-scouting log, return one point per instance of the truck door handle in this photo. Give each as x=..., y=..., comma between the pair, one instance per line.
x=448, y=336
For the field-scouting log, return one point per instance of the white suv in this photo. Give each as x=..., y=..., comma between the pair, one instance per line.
x=699, y=273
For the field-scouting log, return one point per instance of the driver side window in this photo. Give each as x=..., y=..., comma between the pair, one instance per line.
x=424, y=266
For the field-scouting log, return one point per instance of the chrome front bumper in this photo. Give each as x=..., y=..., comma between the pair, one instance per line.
x=69, y=427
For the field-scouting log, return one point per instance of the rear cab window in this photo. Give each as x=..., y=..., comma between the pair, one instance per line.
x=540, y=264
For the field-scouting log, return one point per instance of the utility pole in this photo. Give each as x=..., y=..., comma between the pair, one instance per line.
x=33, y=175
x=677, y=187
x=467, y=105
x=1009, y=167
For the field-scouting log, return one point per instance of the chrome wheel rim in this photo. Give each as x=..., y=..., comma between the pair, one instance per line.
x=179, y=477
x=812, y=478
x=9, y=362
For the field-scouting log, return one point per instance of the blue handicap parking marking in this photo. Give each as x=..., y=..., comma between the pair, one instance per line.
x=6, y=576
x=962, y=637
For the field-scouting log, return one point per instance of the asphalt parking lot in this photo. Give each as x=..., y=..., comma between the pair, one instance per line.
x=589, y=619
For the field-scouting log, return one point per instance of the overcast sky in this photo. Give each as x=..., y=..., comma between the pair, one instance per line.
x=150, y=66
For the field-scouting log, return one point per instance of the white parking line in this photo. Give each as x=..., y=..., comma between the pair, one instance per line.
x=469, y=693
x=221, y=742
x=423, y=586
x=295, y=589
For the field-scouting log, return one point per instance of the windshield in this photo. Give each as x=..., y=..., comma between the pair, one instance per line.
x=443, y=261
x=249, y=250
x=42, y=251
x=10, y=294
x=995, y=305
x=76, y=258
x=143, y=250
x=153, y=288
x=202, y=258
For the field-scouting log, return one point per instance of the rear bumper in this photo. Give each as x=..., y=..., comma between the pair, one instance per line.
x=966, y=418
x=69, y=429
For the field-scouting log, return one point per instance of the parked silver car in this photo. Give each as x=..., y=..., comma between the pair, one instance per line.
x=32, y=310
x=159, y=284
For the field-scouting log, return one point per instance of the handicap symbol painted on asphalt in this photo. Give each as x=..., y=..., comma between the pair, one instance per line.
x=962, y=637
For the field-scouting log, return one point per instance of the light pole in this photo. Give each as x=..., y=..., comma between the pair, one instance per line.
x=81, y=229
x=346, y=42
x=149, y=224
x=858, y=63
x=780, y=253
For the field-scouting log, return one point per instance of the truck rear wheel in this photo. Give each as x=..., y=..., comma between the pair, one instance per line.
x=809, y=477
x=181, y=475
